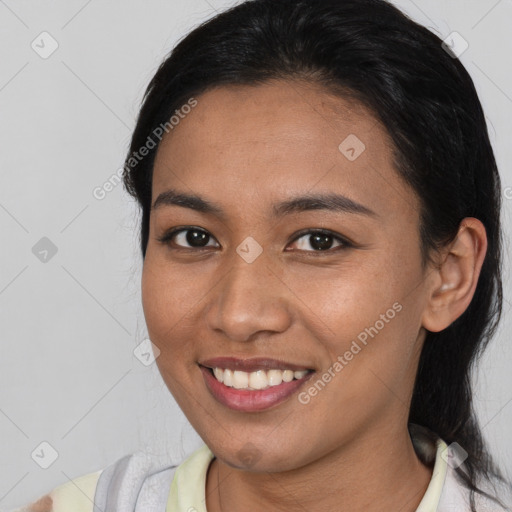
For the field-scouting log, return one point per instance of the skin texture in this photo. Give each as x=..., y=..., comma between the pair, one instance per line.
x=245, y=148
x=44, y=504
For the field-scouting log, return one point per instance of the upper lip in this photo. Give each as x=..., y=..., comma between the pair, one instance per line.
x=251, y=365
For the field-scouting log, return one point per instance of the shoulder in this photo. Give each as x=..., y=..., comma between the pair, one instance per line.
x=135, y=479
x=77, y=495
x=447, y=492
x=456, y=496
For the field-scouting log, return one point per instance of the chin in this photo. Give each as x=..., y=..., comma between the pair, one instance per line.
x=263, y=458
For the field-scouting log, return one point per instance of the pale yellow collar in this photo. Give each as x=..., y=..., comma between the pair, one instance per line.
x=188, y=487
x=431, y=498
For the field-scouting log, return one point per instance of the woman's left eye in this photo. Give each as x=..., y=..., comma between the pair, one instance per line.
x=320, y=240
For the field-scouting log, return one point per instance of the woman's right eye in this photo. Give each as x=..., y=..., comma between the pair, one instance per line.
x=196, y=238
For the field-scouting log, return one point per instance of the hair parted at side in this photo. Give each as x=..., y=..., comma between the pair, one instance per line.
x=369, y=51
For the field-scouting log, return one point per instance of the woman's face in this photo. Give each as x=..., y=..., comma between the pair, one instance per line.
x=253, y=278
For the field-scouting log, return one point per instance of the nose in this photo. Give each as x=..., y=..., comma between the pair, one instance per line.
x=250, y=299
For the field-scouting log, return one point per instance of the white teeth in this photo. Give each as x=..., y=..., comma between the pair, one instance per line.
x=228, y=377
x=259, y=379
x=287, y=375
x=240, y=380
x=275, y=377
x=219, y=374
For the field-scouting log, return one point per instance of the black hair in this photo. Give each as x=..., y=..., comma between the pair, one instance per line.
x=370, y=51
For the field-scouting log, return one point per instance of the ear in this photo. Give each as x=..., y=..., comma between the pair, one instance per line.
x=454, y=280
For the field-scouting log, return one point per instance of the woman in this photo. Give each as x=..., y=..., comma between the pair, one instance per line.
x=322, y=267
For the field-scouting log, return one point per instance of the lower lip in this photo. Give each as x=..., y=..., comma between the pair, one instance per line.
x=246, y=400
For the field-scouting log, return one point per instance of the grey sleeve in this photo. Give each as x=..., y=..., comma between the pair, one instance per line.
x=135, y=483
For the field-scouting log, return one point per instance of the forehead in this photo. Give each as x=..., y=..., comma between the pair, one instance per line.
x=281, y=138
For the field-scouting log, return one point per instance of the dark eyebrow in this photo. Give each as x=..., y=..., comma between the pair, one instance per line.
x=192, y=201
x=329, y=202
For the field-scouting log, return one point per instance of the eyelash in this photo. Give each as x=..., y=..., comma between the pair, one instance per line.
x=167, y=237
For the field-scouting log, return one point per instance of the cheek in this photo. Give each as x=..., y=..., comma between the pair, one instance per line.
x=155, y=300
x=368, y=314
x=165, y=314
x=172, y=296
x=341, y=301
x=168, y=294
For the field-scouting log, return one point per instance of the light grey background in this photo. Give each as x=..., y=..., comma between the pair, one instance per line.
x=69, y=326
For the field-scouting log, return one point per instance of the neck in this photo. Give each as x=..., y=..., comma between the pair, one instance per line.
x=371, y=474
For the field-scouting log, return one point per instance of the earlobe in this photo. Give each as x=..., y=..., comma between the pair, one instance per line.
x=455, y=279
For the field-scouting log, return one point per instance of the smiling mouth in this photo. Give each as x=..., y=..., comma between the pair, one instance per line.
x=256, y=380
x=253, y=385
